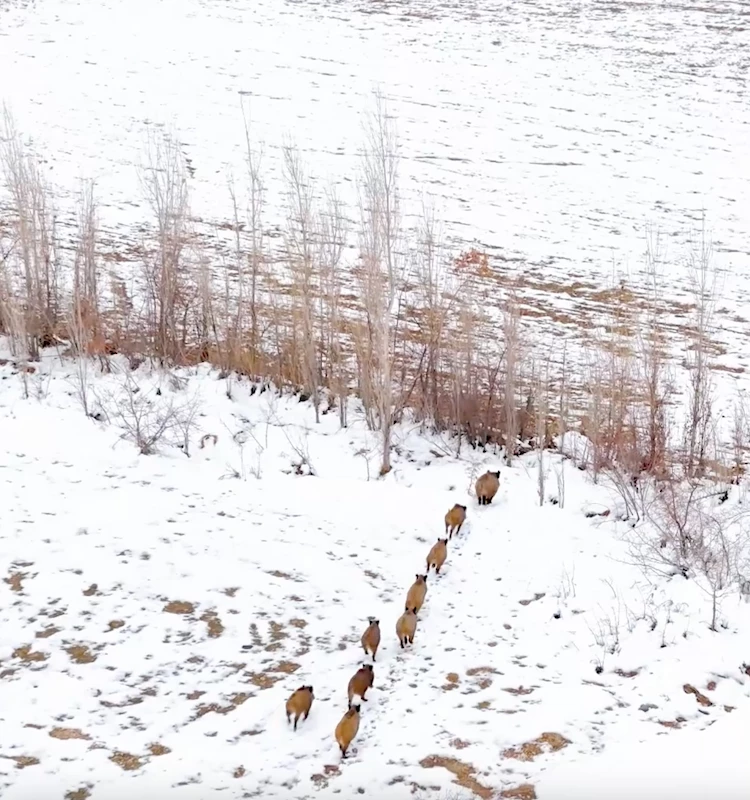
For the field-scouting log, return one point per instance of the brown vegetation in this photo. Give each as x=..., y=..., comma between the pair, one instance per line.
x=405, y=325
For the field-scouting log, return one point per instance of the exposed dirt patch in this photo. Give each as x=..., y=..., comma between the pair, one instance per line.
x=546, y=743
x=453, y=679
x=126, y=761
x=47, y=632
x=80, y=654
x=130, y=701
x=285, y=575
x=631, y=673
x=115, y=624
x=27, y=655
x=672, y=723
x=68, y=733
x=92, y=590
x=158, y=749
x=78, y=794
x=265, y=680
x=298, y=623
x=321, y=779
x=537, y=596
x=701, y=698
x=15, y=581
x=459, y=744
x=711, y=686
x=240, y=772
x=207, y=708
x=213, y=623
x=464, y=774
x=523, y=792
x=23, y=761
x=231, y=591
x=179, y=607
x=519, y=690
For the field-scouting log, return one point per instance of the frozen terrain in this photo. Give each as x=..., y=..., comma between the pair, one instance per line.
x=554, y=134
x=157, y=611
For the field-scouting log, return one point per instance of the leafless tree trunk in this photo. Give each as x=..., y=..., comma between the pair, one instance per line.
x=382, y=270
x=301, y=251
x=165, y=183
x=511, y=336
x=704, y=287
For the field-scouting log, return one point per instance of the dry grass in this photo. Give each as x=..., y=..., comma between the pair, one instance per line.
x=47, y=632
x=546, y=743
x=29, y=656
x=15, y=581
x=213, y=623
x=68, y=733
x=464, y=774
x=80, y=654
x=158, y=749
x=126, y=761
x=179, y=607
x=523, y=792
x=114, y=624
x=78, y=794
x=91, y=591
x=700, y=698
x=23, y=761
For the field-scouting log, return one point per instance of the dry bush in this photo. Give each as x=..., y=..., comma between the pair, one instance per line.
x=149, y=420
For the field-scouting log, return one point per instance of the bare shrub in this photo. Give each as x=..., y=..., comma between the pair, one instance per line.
x=149, y=420
x=164, y=181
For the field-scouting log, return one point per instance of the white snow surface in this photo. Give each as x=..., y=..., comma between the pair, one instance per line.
x=97, y=541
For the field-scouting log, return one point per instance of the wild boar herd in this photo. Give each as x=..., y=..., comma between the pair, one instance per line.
x=300, y=703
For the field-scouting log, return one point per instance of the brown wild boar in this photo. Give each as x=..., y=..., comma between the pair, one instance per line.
x=454, y=519
x=406, y=627
x=416, y=594
x=360, y=682
x=299, y=704
x=487, y=487
x=347, y=728
x=437, y=555
x=371, y=637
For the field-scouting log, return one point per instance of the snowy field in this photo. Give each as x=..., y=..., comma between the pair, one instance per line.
x=157, y=611
x=553, y=134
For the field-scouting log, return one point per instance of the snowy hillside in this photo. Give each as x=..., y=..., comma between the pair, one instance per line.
x=157, y=611
x=552, y=134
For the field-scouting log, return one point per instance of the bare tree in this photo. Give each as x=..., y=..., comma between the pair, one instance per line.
x=382, y=270
x=301, y=244
x=511, y=337
x=703, y=277
x=165, y=184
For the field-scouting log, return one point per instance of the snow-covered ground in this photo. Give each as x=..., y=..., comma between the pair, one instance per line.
x=157, y=611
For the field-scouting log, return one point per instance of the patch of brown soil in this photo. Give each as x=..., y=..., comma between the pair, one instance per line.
x=126, y=761
x=265, y=680
x=47, y=632
x=285, y=575
x=80, y=654
x=459, y=744
x=213, y=623
x=15, y=581
x=115, y=624
x=23, y=761
x=321, y=779
x=236, y=700
x=711, y=686
x=669, y=723
x=523, y=792
x=482, y=671
x=92, y=590
x=519, y=690
x=178, y=607
x=453, y=679
x=231, y=591
x=546, y=743
x=464, y=774
x=130, y=701
x=158, y=749
x=78, y=794
x=298, y=623
x=240, y=772
x=537, y=596
x=627, y=674
x=27, y=655
x=68, y=733
x=701, y=698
